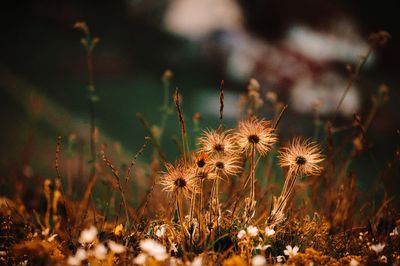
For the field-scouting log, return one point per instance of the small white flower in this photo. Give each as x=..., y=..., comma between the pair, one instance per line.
x=241, y=234
x=258, y=260
x=269, y=231
x=73, y=261
x=377, y=248
x=395, y=232
x=154, y=249
x=100, y=252
x=174, y=247
x=280, y=258
x=76, y=260
x=354, y=262
x=291, y=252
x=160, y=232
x=81, y=254
x=140, y=259
x=264, y=247
x=252, y=230
x=116, y=248
x=198, y=261
x=52, y=237
x=88, y=235
x=383, y=259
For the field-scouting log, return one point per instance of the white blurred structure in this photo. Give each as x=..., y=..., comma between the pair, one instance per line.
x=302, y=59
x=198, y=18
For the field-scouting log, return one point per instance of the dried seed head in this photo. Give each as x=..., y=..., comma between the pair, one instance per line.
x=303, y=155
x=255, y=133
x=213, y=142
x=179, y=178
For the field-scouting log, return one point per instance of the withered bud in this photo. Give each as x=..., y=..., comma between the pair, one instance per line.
x=253, y=85
x=81, y=25
x=167, y=75
x=95, y=41
x=196, y=117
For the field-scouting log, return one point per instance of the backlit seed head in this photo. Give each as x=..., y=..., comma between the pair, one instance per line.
x=303, y=156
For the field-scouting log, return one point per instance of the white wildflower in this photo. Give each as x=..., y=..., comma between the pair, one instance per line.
x=258, y=260
x=160, y=230
x=88, y=235
x=76, y=260
x=269, y=231
x=241, y=234
x=291, y=252
x=377, y=248
x=140, y=259
x=81, y=254
x=252, y=230
x=100, y=252
x=264, y=247
x=73, y=261
x=52, y=237
x=154, y=249
x=354, y=262
x=116, y=248
x=198, y=261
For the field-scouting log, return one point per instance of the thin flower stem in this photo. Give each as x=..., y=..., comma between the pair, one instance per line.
x=252, y=177
x=180, y=214
x=290, y=181
x=200, y=214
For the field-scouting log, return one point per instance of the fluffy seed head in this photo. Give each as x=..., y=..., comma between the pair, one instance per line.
x=214, y=142
x=179, y=178
x=256, y=133
x=303, y=155
x=224, y=165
